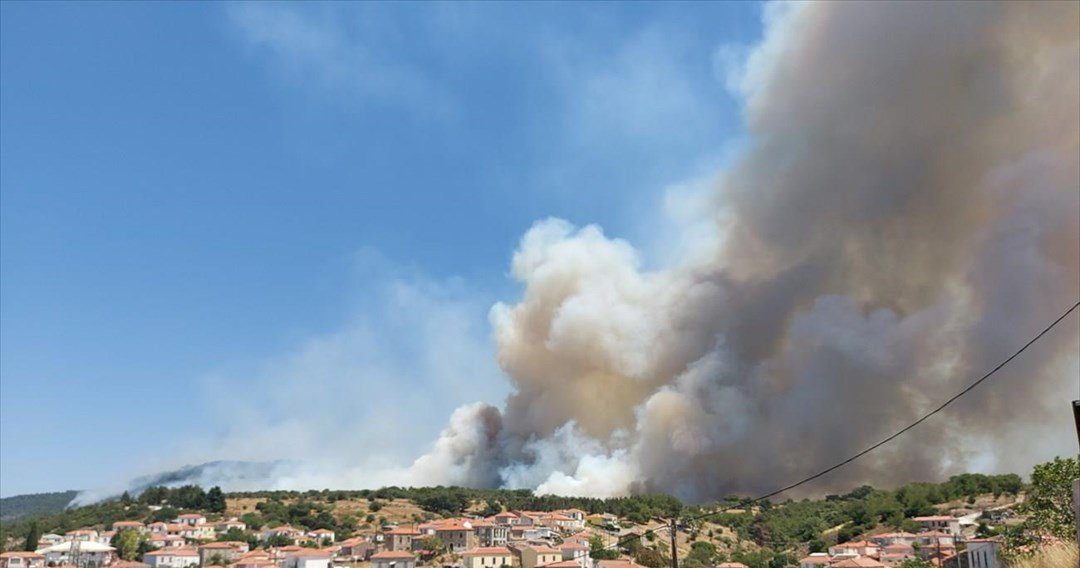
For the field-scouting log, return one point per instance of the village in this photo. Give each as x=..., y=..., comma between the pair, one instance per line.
x=566, y=538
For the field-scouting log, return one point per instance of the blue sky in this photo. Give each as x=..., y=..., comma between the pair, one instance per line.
x=197, y=196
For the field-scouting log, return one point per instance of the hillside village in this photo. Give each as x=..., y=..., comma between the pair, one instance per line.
x=383, y=530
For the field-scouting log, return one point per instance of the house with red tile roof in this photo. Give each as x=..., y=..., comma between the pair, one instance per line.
x=321, y=535
x=393, y=559
x=902, y=537
x=172, y=558
x=859, y=562
x=355, y=549
x=534, y=555
x=225, y=551
x=505, y=518
x=854, y=548
x=487, y=557
x=943, y=523
x=287, y=531
x=401, y=538
x=574, y=550
x=19, y=559
x=895, y=554
x=815, y=560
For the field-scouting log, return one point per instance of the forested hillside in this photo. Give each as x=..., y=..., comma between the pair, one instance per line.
x=12, y=508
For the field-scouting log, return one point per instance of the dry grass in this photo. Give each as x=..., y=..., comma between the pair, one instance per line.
x=1059, y=556
x=234, y=507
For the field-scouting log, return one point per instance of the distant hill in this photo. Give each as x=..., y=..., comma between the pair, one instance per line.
x=17, y=506
x=228, y=474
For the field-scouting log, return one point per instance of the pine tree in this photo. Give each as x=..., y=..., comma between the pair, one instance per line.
x=32, y=537
x=215, y=500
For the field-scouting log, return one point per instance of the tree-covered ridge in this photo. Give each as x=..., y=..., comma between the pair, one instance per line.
x=858, y=511
x=777, y=524
x=35, y=504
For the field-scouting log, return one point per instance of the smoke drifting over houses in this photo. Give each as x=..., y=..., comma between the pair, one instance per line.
x=904, y=216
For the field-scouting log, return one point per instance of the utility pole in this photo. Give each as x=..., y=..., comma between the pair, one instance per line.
x=674, y=549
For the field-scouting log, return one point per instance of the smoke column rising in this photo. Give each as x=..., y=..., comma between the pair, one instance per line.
x=906, y=213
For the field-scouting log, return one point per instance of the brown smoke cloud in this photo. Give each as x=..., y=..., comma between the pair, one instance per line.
x=906, y=213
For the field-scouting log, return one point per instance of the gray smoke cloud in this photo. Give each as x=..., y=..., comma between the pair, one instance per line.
x=904, y=215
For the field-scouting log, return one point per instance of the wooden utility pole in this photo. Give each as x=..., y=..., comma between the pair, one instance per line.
x=674, y=545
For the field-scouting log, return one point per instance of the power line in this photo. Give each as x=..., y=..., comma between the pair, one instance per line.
x=890, y=438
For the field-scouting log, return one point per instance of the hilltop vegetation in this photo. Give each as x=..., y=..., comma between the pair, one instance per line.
x=766, y=534
x=781, y=524
x=12, y=508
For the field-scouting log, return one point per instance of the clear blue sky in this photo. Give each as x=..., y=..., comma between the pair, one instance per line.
x=187, y=187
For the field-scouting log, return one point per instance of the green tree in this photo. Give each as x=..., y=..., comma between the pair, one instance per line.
x=215, y=500
x=1049, y=501
x=916, y=563
x=649, y=557
x=252, y=520
x=278, y=540
x=33, y=535
x=145, y=546
x=233, y=535
x=165, y=514
x=432, y=543
x=703, y=551
x=597, y=550
x=126, y=543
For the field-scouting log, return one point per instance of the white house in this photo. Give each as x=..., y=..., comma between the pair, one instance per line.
x=191, y=519
x=981, y=553
x=287, y=531
x=941, y=523
x=81, y=534
x=319, y=535
x=172, y=558
x=233, y=523
x=78, y=552
x=166, y=540
x=307, y=558
x=491, y=534
x=576, y=551
x=49, y=540
x=857, y=548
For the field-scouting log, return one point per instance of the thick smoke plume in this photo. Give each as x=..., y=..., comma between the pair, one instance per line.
x=904, y=215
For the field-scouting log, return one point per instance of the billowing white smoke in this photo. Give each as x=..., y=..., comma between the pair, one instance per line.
x=905, y=214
